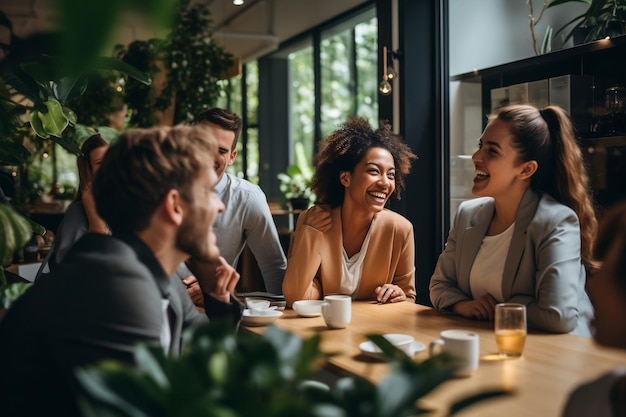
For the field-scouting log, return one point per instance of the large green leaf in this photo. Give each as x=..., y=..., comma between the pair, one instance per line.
x=85, y=37
x=37, y=125
x=42, y=73
x=115, y=64
x=68, y=144
x=54, y=120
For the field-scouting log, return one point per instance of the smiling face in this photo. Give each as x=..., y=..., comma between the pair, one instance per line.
x=195, y=235
x=225, y=140
x=498, y=169
x=372, y=182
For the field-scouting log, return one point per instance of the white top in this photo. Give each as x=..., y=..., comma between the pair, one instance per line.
x=488, y=267
x=353, y=268
x=166, y=331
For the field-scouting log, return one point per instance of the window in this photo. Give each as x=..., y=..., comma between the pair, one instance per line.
x=246, y=164
x=302, y=99
x=349, y=77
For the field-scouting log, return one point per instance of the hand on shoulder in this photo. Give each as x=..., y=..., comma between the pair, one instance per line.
x=318, y=217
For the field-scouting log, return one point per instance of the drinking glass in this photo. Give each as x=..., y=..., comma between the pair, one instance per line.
x=510, y=329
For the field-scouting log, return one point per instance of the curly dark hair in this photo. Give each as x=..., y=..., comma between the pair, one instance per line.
x=343, y=149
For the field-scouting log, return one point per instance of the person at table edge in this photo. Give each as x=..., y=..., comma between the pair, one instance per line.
x=349, y=243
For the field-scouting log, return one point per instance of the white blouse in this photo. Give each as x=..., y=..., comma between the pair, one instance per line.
x=353, y=268
x=488, y=267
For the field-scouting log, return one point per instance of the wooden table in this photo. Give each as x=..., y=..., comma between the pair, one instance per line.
x=551, y=366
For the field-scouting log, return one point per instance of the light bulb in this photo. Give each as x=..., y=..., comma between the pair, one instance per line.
x=391, y=73
x=238, y=2
x=384, y=87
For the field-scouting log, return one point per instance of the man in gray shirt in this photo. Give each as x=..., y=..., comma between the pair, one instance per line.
x=247, y=218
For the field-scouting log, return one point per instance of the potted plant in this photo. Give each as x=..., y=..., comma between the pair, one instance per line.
x=224, y=374
x=295, y=183
x=15, y=231
x=36, y=84
x=186, y=66
x=602, y=18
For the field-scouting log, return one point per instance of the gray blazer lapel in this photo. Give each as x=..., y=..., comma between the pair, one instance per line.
x=525, y=214
x=470, y=242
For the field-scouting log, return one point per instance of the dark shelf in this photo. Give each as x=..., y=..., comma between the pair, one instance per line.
x=606, y=57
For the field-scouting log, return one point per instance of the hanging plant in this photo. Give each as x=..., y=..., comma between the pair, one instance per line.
x=192, y=63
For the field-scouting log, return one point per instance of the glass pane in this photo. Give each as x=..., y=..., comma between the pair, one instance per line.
x=337, y=78
x=252, y=102
x=366, y=39
x=302, y=99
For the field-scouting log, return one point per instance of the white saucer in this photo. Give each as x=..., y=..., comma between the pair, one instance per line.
x=370, y=349
x=249, y=319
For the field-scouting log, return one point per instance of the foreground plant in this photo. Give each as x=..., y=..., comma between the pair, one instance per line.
x=223, y=374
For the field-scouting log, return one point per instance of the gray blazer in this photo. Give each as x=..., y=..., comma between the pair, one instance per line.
x=543, y=268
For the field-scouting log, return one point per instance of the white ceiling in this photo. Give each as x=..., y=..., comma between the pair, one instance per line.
x=248, y=31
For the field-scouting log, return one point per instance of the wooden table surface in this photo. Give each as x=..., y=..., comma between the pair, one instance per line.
x=551, y=366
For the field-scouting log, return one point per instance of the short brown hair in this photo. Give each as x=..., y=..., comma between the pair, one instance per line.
x=223, y=118
x=143, y=166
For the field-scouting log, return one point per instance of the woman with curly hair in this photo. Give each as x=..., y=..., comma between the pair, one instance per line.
x=529, y=238
x=349, y=243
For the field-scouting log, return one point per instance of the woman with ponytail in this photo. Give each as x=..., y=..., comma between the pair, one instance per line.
x=529, y=238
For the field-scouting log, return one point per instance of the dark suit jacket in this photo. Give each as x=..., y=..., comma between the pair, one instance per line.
x=99, y=303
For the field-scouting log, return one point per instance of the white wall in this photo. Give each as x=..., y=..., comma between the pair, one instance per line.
x=483, y=34
x=486, y=33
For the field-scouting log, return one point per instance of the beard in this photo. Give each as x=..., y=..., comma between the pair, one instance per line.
x=195, y=237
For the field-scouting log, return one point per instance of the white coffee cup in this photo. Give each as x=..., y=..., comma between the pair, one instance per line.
x=462, y=345
x=337, y=311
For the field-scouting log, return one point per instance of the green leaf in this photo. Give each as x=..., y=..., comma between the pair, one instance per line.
x=54, y=120
x=40, y=73
x=557, y=2
x=114, y=64
x=546, y=45
x=109, y=134
x=37, y=228
x=466, y=402
x=70, y=115
x=64, y=86
x=37, y=125
x=68, y=144
x=12, y=292
x=151, y=362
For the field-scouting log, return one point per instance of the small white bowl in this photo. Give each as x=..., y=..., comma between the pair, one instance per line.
x=401, y=341
x=257, y=304
x=308, y=308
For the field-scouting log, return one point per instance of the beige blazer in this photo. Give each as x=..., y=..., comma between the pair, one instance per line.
x=314, y=262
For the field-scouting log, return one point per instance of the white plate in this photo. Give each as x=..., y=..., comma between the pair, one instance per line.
x=250, y=319
x=370, y=349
